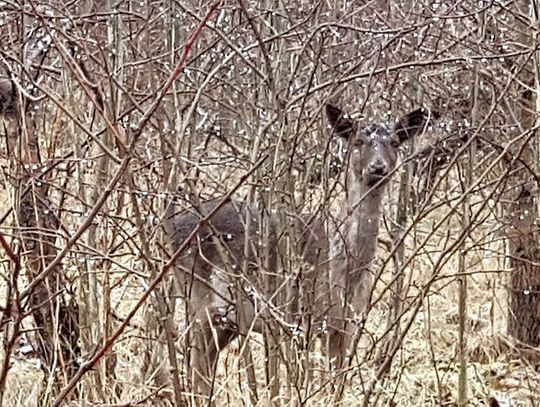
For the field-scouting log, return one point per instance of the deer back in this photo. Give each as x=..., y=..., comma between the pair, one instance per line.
x=219, y=246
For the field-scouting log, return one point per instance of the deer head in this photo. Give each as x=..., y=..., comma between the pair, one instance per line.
x=374, y=148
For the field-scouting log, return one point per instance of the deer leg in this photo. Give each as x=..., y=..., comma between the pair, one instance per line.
x=337, y=338
x=209, y=336
x=337, y=348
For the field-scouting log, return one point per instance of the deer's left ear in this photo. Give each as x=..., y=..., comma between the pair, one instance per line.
x=413, y=123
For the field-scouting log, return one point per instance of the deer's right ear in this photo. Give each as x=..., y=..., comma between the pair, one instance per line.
x=343, y=126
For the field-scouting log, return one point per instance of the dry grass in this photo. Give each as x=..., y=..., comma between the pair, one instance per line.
x=254, y=119
x=424, y=371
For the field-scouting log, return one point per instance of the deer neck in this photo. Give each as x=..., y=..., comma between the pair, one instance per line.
x=363, y=212
x=353, y=246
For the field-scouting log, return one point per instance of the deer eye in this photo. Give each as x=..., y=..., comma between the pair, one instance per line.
x=357, y=143
x=394, y=142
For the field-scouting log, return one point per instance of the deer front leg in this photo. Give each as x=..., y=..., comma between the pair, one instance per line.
x=210, y=333
x=337, y=337
x=337, y=348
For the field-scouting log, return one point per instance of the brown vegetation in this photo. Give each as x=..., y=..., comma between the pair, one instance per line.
x=112, y=113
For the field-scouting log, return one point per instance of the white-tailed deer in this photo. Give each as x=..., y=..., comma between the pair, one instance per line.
x=222, y=279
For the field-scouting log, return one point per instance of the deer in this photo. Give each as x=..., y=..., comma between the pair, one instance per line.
x=221, y=278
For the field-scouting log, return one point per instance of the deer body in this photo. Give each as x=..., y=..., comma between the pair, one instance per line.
x=223, y=302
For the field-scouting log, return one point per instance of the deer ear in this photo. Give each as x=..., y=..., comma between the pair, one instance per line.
x=343, y=126
x=413, y=123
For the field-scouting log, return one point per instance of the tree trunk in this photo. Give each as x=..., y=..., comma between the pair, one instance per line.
x=522, y=231
x=55, y=317
x=54, y=311
x=524, y=284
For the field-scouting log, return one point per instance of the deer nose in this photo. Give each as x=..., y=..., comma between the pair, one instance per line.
x=378, y=168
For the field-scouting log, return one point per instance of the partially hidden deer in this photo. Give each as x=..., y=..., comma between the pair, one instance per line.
x=222, y=280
